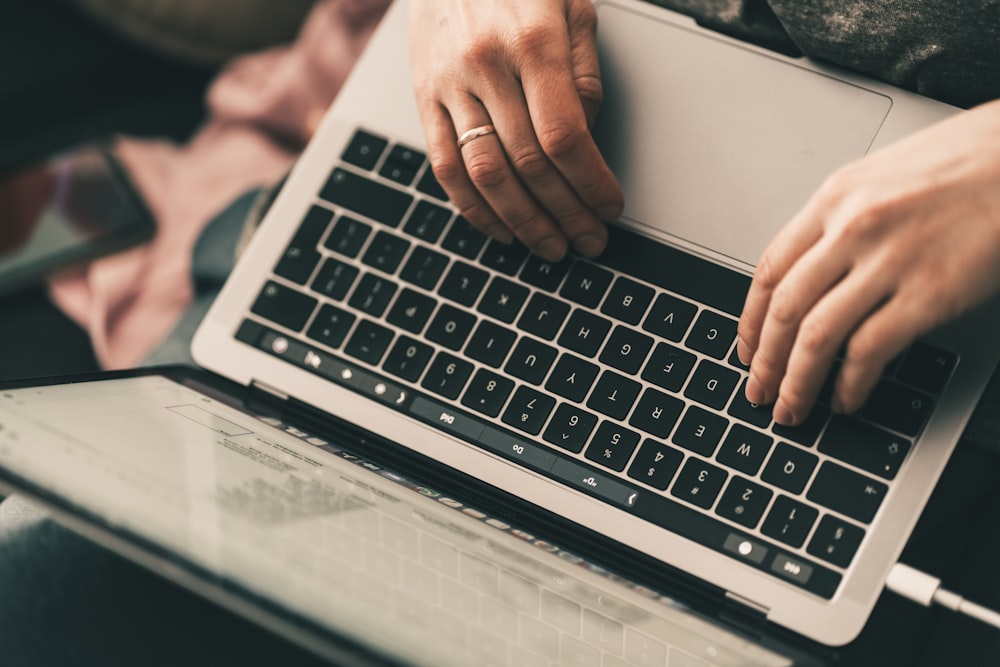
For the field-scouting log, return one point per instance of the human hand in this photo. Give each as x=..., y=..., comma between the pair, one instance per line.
x=23, y=197
x=888, y=248
x=529, y=68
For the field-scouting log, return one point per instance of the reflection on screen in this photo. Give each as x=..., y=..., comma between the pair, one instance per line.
x=355, y=548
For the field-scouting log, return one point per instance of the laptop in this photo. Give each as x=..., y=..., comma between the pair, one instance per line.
x=592, y=403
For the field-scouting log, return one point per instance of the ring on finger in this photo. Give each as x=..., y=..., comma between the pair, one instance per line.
x=475, y=133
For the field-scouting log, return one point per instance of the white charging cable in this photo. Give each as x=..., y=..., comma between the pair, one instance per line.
x=925, y=589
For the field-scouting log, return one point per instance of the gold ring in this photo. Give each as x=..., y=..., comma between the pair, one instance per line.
x=475, y=133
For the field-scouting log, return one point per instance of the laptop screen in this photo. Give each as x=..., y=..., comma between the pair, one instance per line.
x=344, y=545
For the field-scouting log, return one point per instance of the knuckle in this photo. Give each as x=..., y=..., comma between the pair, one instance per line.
x=767, y=275
x=447, y=169
x=590, y=89
x=815, y=336
x=482, y=53
x=531, y=163
x=486, y=171
x=783, y=308
x=533, y=40
x=560, y=139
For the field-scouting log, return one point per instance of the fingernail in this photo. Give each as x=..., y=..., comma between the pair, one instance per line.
x=551, y=249
x=782, y=414
x=609, y=211
x=754, y=392
x=742, y=352
x=589, y=245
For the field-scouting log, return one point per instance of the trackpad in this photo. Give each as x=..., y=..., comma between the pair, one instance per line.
x=716, y=144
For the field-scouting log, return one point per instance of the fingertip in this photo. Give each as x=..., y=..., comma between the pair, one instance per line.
x=783, y=414
x=589, y=245
x=551, y=249
x=743, y=352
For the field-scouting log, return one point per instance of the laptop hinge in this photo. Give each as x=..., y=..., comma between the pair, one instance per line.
x=268, y=389
x=758, y=611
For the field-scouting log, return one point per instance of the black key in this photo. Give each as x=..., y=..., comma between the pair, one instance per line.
x=669, y=367
x=789, y=521
x=700, y=430
x=386, y=252
x=572, y=377
x=655, y=464
x=670, y=317
x=447, y=375
x=505, y=258
x=712, y=334
x=411, y=310
x=408, y=358
x=368, y=342
x=429, y=186
x=301, y=256
x=545, y=275
x=528, y=410
x=334, y=279
x=741, y=408
x=863, y=445
x=463, y=239
x=585, y=332
x=284, y=306
x=612, y=445
x=806, y=432
x=626, y=349
x=424, y=268
x=570, y=427
x=348, y=236
x=586, y=284
x=364, y=150
x=656, y=413
x=847, y=492
x=627, y=300
x=373, y=200
x=530, y=360
x=427, y=221
x=543, y=316
x=674, y=270
x=734, y=361
x=503, y=299
x=699, y=483
x=790, y=467
x=712, y=384
x=490, y=344
x=898, y=407
x=487, y=392
x=450, y=327
x=744, y=449
x=926, y=367
x=744, y=502
x=402, y=164
x=614, y=395
x=373, y=294
x=463, y=283
x=331, y=326
x=836, y=541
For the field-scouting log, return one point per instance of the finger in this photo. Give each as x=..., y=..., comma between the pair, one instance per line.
x=567, y=216
x=557, y=115
x=821, y=334
x=492, y=175
x=583, y=55
x=781, y=254
x=798, y=292
x=449, y=169
x=882, y=337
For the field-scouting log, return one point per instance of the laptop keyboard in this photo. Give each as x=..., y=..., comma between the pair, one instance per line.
x=617, y=377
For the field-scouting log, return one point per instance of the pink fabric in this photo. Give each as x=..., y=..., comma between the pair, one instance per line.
x=262, y=110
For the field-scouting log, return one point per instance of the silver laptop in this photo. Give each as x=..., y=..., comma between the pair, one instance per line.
x=598, y=402
x=716, y=145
